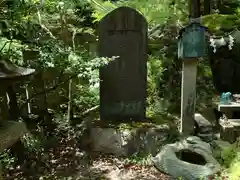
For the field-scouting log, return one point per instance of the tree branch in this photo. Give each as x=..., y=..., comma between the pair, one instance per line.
x=90, y=110
x=47, y=90
x=3, y=46
x=44, y=27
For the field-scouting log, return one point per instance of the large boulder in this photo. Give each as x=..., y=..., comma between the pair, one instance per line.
x=189, y=159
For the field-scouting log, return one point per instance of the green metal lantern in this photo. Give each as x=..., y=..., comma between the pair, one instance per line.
x=191, y=42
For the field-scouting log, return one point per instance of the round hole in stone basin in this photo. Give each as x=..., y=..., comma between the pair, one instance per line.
x=191, y=157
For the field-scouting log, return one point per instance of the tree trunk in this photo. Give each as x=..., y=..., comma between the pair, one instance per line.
x=207, y=7
x=70, y=111
x=194, y=8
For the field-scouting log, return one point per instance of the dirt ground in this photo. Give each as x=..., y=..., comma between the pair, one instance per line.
x=67, y=162
x=112, y=168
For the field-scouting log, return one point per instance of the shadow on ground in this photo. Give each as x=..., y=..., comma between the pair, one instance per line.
x=67, y=161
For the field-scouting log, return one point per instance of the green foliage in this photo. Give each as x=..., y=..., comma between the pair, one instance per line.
x=144, y=160
x=234, y=169
x=34, y=143
x=53, y=28
x=228, y=155
x=7, y=160
x=155, y=71
x=218, y=23
x=12, y=49
x=230, y=160
x=73, y=16
x=154, y=11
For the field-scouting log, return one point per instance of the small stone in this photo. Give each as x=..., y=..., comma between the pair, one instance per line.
x=204, y=125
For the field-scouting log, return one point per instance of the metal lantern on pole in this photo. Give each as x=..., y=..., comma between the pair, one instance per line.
x=191, y=42
x=191, y=47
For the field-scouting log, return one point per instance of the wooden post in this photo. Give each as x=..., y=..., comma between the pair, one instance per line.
x=29, y=111
x=188, y=96
x=188, y=92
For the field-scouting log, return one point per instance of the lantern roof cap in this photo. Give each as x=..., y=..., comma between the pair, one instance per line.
x=10, y=71
x=189, y=25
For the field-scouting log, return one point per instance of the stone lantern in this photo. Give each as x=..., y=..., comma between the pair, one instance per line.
x=11, y=130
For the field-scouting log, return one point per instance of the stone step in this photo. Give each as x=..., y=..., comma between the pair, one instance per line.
x=231, y=122
x=229, y=107
x=234, y=122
